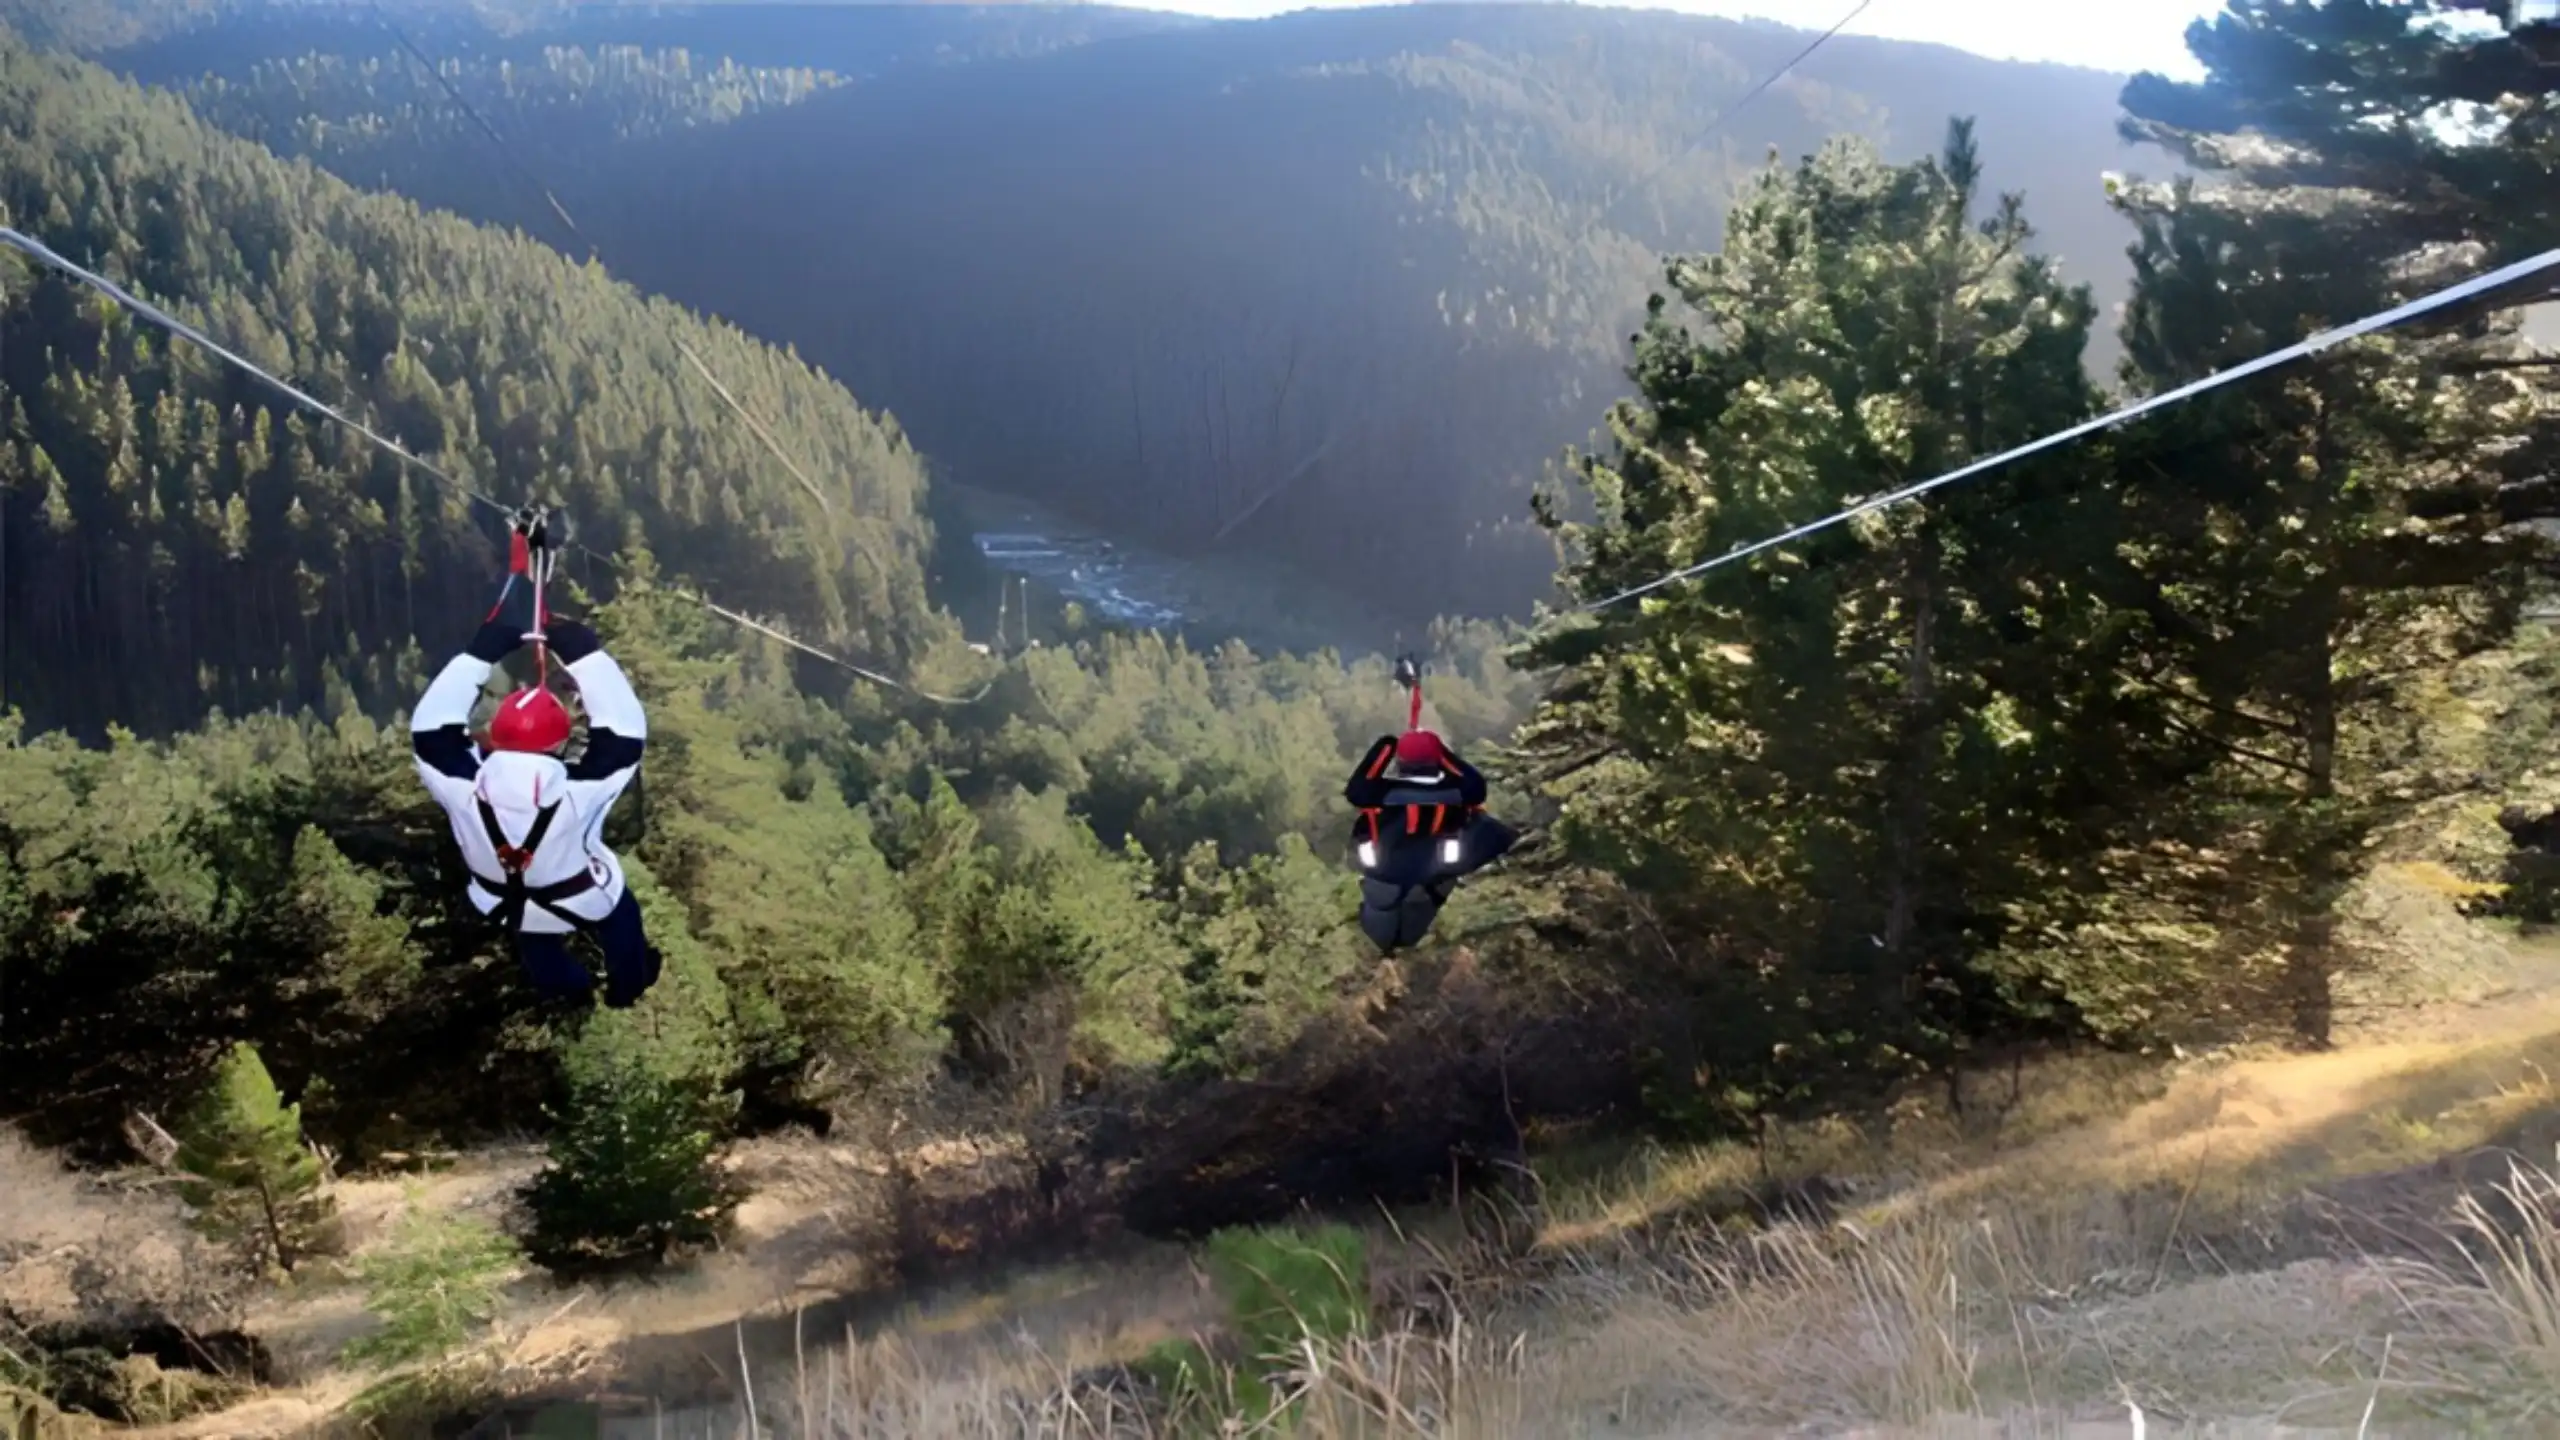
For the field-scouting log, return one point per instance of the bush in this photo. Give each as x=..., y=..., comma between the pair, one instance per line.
x=634, y=1176
x=1282, y=1288
x=254, y=1183
x=435, y=1285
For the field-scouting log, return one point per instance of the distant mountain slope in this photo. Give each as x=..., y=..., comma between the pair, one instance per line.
x=164, y=41
x=376, y=119
x=1373, y=265
x=1331, y=286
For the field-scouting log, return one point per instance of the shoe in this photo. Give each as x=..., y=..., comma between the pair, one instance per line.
x=618, y=998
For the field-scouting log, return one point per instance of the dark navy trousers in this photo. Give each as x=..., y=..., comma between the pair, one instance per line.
x=630, y=964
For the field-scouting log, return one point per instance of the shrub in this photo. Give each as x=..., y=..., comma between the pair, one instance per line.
x=253, y=1181
x=1282, y=1288
x=634, y=1174
x=436, y=1285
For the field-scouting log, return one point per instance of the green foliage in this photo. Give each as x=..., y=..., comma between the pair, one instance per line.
x=254, y=1183
x=435, y=1285
x=834, y=912
x=2099, y=743
x=634, y=1174
x=2322, y=551
x=1283, y=1286
x=1269, y=952
x=1285, y=1289
x=684, y=1029
x=1079, y=914
x=338, y=910
x=1841, y=760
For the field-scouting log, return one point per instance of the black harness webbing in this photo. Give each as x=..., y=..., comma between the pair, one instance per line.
x=514, y=894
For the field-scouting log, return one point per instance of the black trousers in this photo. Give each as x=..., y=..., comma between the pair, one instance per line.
x=1397, y=909
x=1397, y=917
x=630, y=962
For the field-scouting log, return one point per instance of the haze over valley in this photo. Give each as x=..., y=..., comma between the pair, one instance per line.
x=1330, y=289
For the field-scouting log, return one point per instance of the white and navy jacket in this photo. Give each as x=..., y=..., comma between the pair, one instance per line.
x=516, y=787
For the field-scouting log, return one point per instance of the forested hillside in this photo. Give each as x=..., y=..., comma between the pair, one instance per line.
x=578, y=103
x=180, y=39
x=1334, y=270
x=1319, y=262
x=180, y=538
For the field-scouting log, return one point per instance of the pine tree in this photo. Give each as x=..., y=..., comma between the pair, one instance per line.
x=634, y=1174
x=945, y=872
x=2421, y=134
x=1838, y=765
x=2316, y=546
x=437, y=1287
x=335, y=912
x=255, y=1183
x=437, y=1283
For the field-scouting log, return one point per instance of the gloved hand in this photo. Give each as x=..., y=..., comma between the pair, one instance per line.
x=532, y=527
x=572, y=640
x=513, y=618
x=529, y=533
x=502, y=630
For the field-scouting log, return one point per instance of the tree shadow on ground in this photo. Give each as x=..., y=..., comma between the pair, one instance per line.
x=2382, y=1175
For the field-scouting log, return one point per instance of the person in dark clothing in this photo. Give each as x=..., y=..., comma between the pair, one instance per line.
x=1421, y=829
x=531, y=826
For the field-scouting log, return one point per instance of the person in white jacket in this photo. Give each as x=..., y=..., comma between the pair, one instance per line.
x=531, y=825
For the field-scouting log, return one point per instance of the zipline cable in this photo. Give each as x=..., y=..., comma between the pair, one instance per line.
x=2473, y=288
x=1712, y=126
x=515, y=161
x=44, y=254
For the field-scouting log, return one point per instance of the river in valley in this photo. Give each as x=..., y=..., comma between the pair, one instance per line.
x=1268, y=605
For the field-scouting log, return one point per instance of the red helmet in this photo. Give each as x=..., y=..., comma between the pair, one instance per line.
x=530, y=720
x=1421, y=750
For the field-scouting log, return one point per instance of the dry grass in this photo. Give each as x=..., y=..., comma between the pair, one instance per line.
x=77, y=1247
x=1402, y=1384
x=2018, y=1315
x=2077, y=1259
x=2120, y=1238
x=2024, y=1320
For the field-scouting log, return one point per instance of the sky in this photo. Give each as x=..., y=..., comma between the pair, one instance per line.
x=2119, y=35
